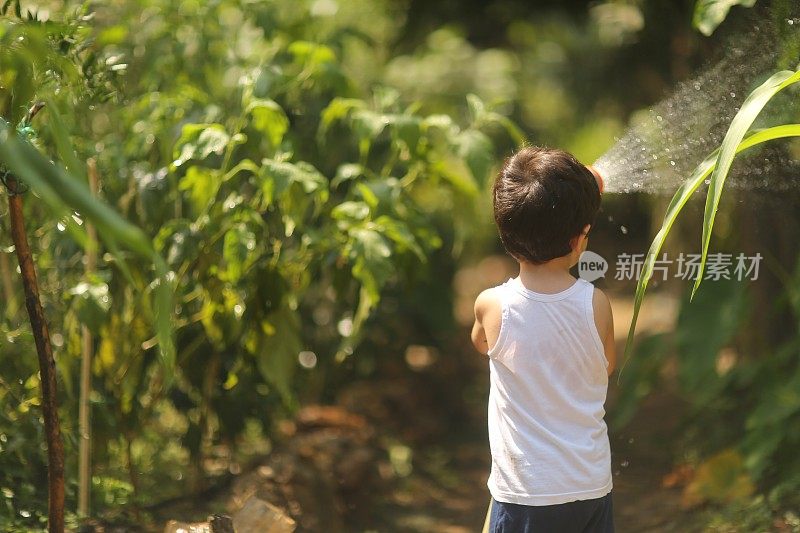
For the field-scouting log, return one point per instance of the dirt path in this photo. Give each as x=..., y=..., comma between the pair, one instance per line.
x=451, y=496
x=454, y=499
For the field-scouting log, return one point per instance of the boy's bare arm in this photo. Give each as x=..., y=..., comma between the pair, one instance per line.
x=604, y=321
x=487, y=321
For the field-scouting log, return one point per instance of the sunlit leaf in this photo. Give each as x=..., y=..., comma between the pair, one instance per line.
x=477, y=151
x=198, y=141
x=694, y=182
x=202, y=184
x=91, y=302
x=354, y=211
x=270, y=119
x=238, y=243
x=709, y=14
x=750, y=109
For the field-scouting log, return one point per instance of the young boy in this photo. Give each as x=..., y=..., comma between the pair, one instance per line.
x=550, y=342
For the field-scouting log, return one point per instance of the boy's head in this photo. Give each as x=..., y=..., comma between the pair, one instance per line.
x=543, y=200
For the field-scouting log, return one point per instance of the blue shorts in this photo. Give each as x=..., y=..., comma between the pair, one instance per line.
x=582, y=516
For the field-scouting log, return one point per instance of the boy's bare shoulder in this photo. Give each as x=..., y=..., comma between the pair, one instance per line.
x=602, y=306
x=600, y=298
x=486, y=302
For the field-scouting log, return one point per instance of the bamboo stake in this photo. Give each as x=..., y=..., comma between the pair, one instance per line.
x=84, y=415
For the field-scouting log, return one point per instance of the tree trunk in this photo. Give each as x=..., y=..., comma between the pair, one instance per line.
x=47, y=366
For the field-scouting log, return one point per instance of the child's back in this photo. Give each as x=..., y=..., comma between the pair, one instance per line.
x=548, y=385
x=550, y=342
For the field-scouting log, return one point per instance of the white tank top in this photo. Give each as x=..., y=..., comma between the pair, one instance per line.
x=549, y=379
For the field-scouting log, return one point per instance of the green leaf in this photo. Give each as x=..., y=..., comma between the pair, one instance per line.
x=202, y=185
x=476, y=107
x=458, y=175
x=352, y=211
x=91, y=303
x=64, y=193
x=709, y=14
x=294, y=187
x=512, y=129
x=338, y=110
x=285, y=174
x=368, y=194
x=477, y=151
x=367, y=125
x=198, y=141
x=682, y=195
x=177, y=242
x=311, y=53
x=270, y=119
x=407, y=129
x=347, y=172
x=66, y=151
x=372, y=266
x=750, y=109
x=238, y=244
x=277, y=356
x=399, y=232
x=113, y=35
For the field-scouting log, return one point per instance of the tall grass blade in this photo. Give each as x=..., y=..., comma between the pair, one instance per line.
x=64, y=193
x=741, y=123
x=679, y=200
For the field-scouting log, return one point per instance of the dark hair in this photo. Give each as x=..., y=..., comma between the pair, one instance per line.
x=543, y=197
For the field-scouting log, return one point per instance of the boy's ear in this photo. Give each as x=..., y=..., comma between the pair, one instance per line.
x=576, y=240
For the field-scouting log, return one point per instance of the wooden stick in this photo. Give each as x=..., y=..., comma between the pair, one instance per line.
x=47, y=366
x=84, y=414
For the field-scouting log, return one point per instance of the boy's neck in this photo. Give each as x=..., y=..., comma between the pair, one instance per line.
x=550, y=277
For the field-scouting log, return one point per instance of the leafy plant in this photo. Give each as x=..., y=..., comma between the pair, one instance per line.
x=717, y=166
x=709, y=14
x=285, y=199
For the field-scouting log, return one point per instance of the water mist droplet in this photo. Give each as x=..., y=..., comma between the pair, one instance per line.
x=624, y=230
x=672, y=163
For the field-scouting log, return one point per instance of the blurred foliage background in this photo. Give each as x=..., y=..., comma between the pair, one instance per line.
x=315, y=174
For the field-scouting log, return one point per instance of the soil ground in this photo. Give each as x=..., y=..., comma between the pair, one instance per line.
x=444, y=489
x=453, y=498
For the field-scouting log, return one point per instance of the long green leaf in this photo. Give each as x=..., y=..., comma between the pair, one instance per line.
x=679, y=201
x=63, y=193
x=751, y=107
